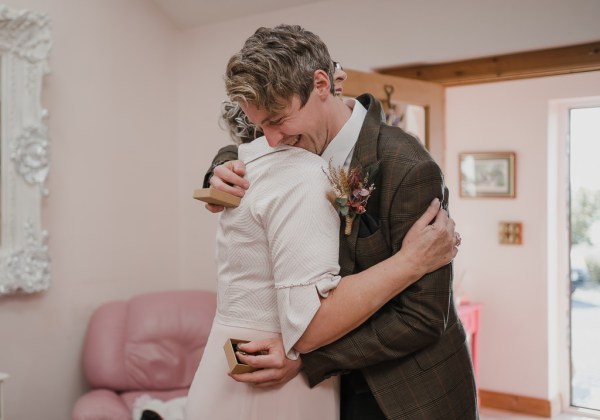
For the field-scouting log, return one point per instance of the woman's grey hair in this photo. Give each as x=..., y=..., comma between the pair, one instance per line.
x=236, y=122
x=275, y=64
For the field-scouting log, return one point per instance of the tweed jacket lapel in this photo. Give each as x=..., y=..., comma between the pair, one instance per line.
x=365, y=156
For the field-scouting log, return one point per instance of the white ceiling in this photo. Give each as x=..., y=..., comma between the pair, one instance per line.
x=189, y=13
x=398, y=32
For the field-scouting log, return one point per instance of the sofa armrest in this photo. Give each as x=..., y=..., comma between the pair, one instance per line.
x=100, y=404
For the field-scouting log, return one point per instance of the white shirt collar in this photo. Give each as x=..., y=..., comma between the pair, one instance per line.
x=339, y=151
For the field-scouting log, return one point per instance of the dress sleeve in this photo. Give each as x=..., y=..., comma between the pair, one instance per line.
x=302, y=229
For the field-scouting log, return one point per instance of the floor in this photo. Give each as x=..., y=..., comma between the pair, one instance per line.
x=491, y=414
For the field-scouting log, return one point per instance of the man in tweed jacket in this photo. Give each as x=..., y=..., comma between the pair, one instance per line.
x=412, y=353
x=409, y=360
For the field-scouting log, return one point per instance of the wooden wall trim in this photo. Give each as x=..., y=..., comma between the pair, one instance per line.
x=414, y=91
x=548, y=62
x=517, y=403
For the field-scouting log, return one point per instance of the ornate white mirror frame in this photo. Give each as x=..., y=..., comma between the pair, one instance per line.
x=24, y=154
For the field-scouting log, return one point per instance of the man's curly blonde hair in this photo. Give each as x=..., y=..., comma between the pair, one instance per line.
x=275, y=64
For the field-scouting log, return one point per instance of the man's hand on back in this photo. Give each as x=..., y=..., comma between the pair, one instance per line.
x=228, y=177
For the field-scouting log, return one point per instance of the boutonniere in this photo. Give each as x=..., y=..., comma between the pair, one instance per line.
x=351, y=191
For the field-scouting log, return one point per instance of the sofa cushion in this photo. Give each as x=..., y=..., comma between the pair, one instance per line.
x=151, y=342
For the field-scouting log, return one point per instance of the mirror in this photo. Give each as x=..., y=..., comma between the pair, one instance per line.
x=409, y=117
x=24, y=150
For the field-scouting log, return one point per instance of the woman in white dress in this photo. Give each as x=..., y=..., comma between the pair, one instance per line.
x=275, y=253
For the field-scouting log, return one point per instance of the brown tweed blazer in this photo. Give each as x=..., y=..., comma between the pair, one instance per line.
x=412, y=352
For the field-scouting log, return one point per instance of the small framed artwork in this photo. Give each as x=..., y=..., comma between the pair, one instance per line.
x=489, y=174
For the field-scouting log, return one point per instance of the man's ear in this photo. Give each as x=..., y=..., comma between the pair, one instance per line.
x=322, y=83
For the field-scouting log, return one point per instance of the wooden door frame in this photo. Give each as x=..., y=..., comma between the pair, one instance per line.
x=430, y=95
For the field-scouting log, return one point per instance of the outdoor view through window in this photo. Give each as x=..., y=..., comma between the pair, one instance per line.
x=585, y=257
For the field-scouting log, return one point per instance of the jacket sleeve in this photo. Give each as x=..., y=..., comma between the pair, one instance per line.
x=225, y=154
x=415, y=318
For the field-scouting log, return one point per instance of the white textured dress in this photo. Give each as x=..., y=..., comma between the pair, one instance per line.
x=276, y=253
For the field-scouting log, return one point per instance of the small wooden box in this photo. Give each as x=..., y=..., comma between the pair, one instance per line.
x=220, y=198
x=234, y=365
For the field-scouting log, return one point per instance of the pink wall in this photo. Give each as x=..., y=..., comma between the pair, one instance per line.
x=112, y=210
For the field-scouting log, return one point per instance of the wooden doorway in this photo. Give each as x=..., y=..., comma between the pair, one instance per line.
x=429, y=95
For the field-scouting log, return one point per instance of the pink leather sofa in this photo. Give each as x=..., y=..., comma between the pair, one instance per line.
x=150, y=344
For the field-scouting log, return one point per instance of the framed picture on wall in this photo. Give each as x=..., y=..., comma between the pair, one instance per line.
x=487, y=174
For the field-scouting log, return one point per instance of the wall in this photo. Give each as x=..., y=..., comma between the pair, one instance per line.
x=520, y=319
x=112, y=209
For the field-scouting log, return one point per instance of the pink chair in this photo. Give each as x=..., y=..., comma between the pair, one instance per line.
x=150, y=344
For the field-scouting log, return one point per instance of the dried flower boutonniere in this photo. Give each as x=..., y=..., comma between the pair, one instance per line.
x=351, y=191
